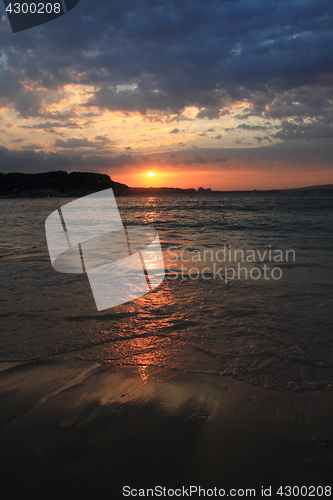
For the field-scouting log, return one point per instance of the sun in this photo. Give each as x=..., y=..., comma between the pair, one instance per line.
x=150, y=174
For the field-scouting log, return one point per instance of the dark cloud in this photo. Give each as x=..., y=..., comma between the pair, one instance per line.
x=40, y=161
x=275, y=56
x=33, y=147
x=244, y=126
x=308, y=131
x=306, y=155
x=196, y=159
x=211, y=114
x=174, y=131
x=77, y=143
x=51, y=125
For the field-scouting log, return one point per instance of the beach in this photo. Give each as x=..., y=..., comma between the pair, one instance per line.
x=73, y=429
x=209, y=381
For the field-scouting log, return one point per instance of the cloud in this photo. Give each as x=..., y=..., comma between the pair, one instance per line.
x=197, y=159
x=211, y=114
x=245, y=126
x=33, y=147
x=261, y=52
x=270, y=157
x=174, y=131
x=41, y=161
x=321, y=129
x=51, y=125
x=77, y=143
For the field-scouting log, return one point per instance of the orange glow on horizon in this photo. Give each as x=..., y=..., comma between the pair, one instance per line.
x=241, y=178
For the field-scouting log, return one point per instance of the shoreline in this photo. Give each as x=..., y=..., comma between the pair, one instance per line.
x=146, y=192
x=84, y=430
x=62, y=357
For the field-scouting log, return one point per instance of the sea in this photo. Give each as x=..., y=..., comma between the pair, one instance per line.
x=247, y=293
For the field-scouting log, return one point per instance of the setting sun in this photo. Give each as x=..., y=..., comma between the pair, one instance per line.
x=150, y=174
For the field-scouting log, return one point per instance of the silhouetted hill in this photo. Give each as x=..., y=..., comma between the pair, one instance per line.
x=57, y=183
x=323, y=188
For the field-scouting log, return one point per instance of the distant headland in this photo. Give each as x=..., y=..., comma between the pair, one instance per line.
x=152, y=191
x=62, y=184
x=58, y=183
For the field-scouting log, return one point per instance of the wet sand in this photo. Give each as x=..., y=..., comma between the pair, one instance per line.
x=81, y=430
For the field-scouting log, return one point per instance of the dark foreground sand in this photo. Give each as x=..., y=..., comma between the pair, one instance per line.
x=81, y=430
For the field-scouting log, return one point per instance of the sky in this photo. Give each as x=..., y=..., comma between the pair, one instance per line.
x=202, y=93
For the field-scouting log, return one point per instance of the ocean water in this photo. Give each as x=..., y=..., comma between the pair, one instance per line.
x=270, y=327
